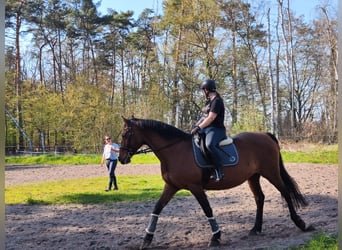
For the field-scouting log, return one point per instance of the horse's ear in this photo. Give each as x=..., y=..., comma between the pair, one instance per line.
x=123, y=118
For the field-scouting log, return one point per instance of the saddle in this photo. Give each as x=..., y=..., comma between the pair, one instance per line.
x=229, y=154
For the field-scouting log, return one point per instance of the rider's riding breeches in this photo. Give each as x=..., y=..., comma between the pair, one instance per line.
x=213, y=137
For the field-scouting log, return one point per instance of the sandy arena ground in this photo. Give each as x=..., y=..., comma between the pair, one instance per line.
x=182, y=224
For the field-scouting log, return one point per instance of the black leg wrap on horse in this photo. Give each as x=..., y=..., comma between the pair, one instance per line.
x=151, y=228
x=215, y=239
x=214, y=226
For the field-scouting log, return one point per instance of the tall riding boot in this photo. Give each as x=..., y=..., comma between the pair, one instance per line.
x=115, y=185
x=109, y=185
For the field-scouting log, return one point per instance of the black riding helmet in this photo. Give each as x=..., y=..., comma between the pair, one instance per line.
x=209, y=85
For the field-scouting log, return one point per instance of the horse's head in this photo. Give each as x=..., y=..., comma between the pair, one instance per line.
x=131, y=141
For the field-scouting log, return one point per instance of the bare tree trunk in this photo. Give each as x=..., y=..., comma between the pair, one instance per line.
x=333, y=72
x=293, y=70
x=288, y=64
x=40, y=65
x=273, y=91
x=260, y=84
x=60, y=63
x=42, y=141
x=93, y=61
x=113, y=78
x=73, y=71
x=54, y=64
x=123, y=79
x=234, y=78
x=175, y=93
x=277, y=80
x=18, y=80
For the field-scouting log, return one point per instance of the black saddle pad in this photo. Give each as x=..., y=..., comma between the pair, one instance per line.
x=229, y=156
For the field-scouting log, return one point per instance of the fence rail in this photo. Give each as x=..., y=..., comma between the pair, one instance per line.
x=37, y=150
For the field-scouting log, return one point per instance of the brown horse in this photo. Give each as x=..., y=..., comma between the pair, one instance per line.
x=259, y=155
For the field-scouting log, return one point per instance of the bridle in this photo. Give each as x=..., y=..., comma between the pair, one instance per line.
x=131, y=151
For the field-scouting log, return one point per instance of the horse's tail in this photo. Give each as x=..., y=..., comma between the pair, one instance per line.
x=291, y=185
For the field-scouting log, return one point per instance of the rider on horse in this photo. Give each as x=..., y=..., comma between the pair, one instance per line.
x=212, y=124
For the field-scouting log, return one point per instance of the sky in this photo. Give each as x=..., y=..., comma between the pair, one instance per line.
x=135, y=5
x=300, y=7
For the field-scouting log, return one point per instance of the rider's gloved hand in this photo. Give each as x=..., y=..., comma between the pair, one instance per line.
x=195, y=130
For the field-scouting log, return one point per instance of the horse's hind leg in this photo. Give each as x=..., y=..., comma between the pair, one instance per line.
x=202, y=199
x=254, y=184
x=292, y=197
x=293, y=214
x=166, y=196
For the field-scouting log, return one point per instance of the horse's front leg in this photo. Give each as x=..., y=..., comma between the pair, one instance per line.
x=166, y=196
x=202, y=199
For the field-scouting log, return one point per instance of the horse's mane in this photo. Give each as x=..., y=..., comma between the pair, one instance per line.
x=163, y=129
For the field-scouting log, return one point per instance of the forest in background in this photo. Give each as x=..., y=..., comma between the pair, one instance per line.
x=71, y=71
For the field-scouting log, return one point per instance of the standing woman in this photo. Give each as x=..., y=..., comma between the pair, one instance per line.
x=109, y=155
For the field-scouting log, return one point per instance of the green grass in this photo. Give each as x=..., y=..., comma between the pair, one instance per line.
x=51, y=159
x=87, y=191
x=318, y=242
x=149, y=158
x=317, y=154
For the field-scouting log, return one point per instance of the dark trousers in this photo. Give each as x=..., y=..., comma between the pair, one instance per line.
x=111, y=165
x=212, y=139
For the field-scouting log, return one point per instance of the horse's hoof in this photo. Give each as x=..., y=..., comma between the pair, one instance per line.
x=215, y=240
x=147, y=241
x=145, y=245
x=254, y=232
x=214, y=243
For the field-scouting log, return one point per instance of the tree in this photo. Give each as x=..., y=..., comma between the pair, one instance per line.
x=248, y=41
x=116, y=27
x=191, y=53
x=90, y=68
x=89, y=24
x=49, y=29
x=16, y=12
x=273, y=90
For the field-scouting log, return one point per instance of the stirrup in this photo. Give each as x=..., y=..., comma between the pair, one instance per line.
x=217, y=177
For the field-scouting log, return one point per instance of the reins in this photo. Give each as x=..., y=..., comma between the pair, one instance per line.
x=166, y=146
x=148, y=150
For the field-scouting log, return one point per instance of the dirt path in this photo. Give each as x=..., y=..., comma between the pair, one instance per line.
x=182, y=224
